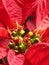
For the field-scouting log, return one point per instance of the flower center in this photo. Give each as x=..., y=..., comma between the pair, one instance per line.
x=22, y=39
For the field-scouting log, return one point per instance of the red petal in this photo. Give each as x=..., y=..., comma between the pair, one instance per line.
x=15, y=59
x=3, y=52
x=38, y=54
x=1, y=25
x=29, y=7
x=26, y=62
x=45, y=34
x=47, y=4
x=20, y=2
x=5, y=18
x=47, y=40
x=6, y=64
x=19, y=60
x=30, y=25
x=11, y=54
x=3, y=32
x=42, y=21
x=15, y=11
x=4, y=42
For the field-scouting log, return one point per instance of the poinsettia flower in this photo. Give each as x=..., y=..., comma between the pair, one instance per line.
x=10, y=11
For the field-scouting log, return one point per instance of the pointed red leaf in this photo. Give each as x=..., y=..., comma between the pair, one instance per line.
x=5, y=19
x=29, y=7
x=20, y=2
x=45, y=35
x=47, y=4
x=3, y=52
x=11, y=55
x=38, y=54
x=42, y=21
x=1, y=25
x=15, y=59
x=30, y=25
x=4, y=42
x=3, y=32
x=47, y=40
x=13, y=10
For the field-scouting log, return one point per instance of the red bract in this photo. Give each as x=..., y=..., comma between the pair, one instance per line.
x=20, y=10
x=5, y=19
x=45, y=35
x=47, y=40
x=4, y=42
x=42, y=15
x=13, y=10
x=14, y=59
x=11, y=54
x=29, y=7
x=3, y=52
x=30, y=26
x=38, y=54
x=3, y=32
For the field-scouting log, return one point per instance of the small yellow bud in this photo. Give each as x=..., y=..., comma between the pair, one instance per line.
x=21, y=38
x=16, y=51
x=10, y=43
x=38, y=39
x=31, y=33
x=14, y=32
x=16, y=47
x=15, y=38
x=22, y=32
